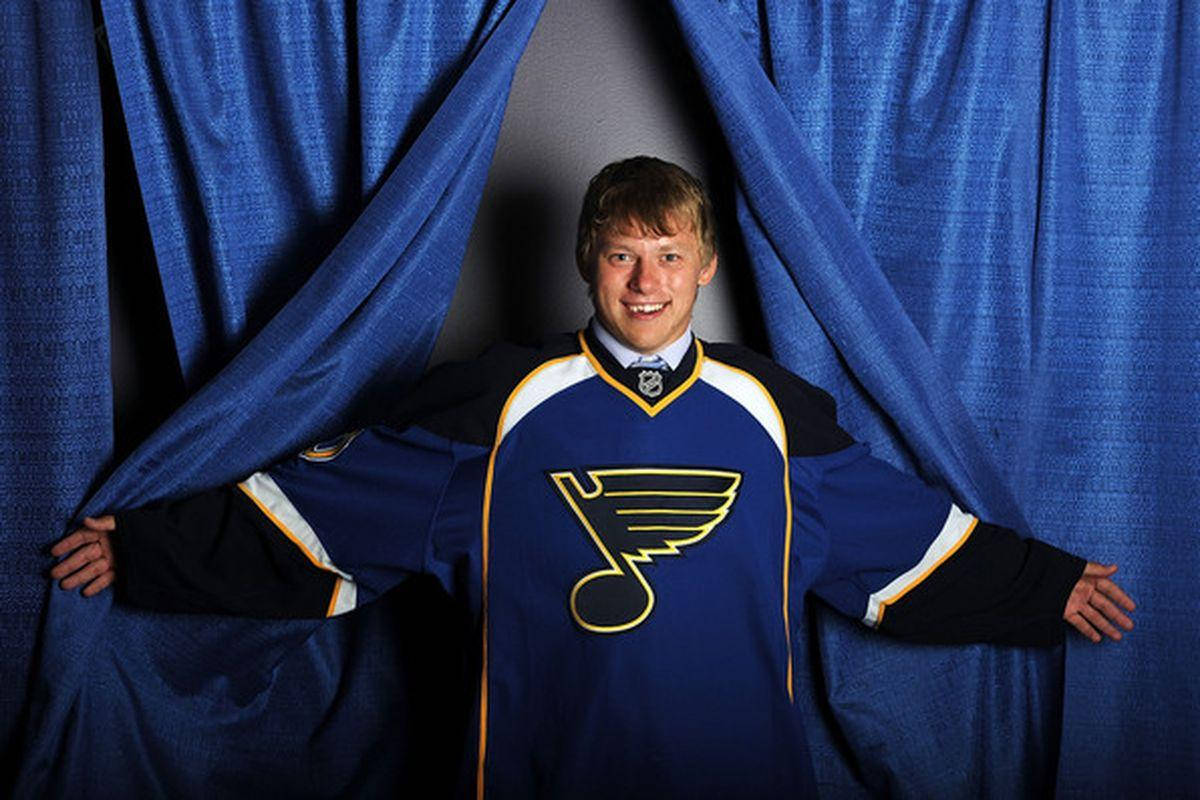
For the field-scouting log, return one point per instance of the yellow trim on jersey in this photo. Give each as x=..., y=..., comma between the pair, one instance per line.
x=789, y=676
x=645, y=493
x=337, y=585
x=644, y=555
x=283, y=528
x=486, y=545
x=883, y=604
x=296, y=541
x=651, y=410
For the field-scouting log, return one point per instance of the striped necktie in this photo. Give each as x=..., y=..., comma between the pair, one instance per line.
x=651, y=362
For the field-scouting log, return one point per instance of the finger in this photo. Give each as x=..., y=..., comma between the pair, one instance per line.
x=99, y=584
x=73, y=540
x=80, y=558
x=1094, y=570
x=92, y=570
x=1083, y=627
x=1100, y=623
x=1110, y=611
x=104, y=523
x=1116, y=593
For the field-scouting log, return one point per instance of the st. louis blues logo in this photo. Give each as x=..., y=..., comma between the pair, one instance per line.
x=632, y=515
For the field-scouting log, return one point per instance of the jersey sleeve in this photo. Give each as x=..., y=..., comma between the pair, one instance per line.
x=313, y=536
x=343, y=522
x=903, y=558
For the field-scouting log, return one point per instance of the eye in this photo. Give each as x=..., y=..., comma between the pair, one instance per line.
x=620, y=258
x=672, y=257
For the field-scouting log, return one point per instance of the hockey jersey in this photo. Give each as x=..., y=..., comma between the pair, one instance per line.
x=636, y=548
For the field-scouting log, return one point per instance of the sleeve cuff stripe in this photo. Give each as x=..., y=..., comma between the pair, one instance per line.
x=345, y=597
x=273, y=503
x=265, y=493
x=954, y=534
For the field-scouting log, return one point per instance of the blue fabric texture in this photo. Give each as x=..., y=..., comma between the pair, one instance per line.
x=55, y=392
x=975, y=224
x=265, y=139
x=251, y=175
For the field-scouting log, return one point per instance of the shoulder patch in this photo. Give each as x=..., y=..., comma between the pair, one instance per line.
x=331, y=449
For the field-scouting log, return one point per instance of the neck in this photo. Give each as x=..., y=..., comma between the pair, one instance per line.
x=672, y=352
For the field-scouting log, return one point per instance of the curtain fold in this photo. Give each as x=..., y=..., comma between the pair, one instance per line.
x=975, y=224
x=152, y=705
x=55, y=392
x=260, y=130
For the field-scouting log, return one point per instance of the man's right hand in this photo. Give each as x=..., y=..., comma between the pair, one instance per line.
x=91, y=561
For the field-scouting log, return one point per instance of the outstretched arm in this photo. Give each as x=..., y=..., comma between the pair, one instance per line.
x=905, y=566
x=1094, y=606
x=90, y=563
x=314, y=536
x=216, y=551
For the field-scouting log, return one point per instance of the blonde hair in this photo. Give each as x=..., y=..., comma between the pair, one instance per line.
x=645, y=193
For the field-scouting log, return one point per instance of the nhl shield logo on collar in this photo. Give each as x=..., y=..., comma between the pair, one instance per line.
x=650, y=382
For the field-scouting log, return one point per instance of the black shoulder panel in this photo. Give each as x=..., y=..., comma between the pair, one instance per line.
x=809, y=413
x=462, y=400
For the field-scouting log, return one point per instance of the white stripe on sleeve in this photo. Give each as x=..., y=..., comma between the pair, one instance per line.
x=955, y=530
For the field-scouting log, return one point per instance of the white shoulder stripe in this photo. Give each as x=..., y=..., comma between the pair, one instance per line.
x=542, y=384
x=268, y=496
x=955, y=530
x=747, y=392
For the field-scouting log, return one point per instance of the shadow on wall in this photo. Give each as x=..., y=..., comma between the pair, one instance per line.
x=529, y=272
x=598, y=82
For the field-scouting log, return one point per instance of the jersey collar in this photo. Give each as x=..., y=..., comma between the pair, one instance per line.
x=625, y=380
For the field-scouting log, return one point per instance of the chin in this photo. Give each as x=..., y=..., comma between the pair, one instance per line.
x=649, y=346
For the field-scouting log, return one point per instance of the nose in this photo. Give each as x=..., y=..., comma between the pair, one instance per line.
x=645, y=277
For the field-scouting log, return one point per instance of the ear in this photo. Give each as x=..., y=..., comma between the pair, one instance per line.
x=707, y=273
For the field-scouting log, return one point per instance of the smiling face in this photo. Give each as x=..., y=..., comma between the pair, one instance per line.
x=644, y=283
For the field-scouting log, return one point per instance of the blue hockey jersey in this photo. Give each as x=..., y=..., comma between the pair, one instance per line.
x=636, y=550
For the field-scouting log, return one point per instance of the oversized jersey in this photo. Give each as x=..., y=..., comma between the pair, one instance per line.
x=636, y=548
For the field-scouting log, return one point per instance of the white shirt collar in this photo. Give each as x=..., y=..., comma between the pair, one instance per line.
x=672, y=353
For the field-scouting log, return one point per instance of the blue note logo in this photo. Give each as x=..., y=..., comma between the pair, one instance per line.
x=634, y=515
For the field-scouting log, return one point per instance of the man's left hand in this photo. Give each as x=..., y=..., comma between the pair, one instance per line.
x=1095, y=604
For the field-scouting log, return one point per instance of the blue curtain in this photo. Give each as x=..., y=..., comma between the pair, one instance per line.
x=975, y=223
x=260, y=131
x=310, y=177
x=55, y=393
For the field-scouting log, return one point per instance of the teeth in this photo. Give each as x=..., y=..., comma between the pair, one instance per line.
x=646, y=308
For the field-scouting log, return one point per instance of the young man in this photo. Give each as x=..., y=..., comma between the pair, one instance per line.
x=635, y=517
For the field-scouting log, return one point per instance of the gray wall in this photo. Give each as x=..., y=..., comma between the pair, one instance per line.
x=600, y=80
